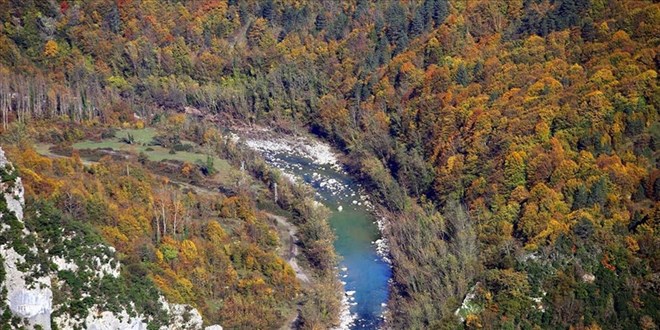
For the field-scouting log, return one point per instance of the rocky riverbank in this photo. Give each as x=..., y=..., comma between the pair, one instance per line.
x=304, y=159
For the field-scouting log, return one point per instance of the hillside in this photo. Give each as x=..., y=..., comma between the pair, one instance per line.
x=513, y=145
x=172, y=234
x=58, y=273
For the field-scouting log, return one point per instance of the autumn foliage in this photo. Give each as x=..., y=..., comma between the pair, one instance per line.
x=219, y=255
x=512, y=144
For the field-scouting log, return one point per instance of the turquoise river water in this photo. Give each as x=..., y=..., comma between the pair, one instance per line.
x=364, y=272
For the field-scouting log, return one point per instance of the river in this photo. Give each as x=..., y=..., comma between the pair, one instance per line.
x=363, y=267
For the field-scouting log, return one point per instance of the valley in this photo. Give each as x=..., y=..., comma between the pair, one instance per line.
x=354, y=164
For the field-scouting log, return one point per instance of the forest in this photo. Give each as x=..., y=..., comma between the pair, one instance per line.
x=512, y=144
x=214, y=250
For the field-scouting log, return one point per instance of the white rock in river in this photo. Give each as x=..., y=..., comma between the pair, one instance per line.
x=340, y=208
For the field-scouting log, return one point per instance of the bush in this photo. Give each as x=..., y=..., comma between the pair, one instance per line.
x=142, y=157
x=108, y=133
x=183, y=147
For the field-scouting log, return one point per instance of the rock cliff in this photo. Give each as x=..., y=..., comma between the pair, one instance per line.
x=30, y=274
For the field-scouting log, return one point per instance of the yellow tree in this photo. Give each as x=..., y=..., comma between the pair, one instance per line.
x=51, y=49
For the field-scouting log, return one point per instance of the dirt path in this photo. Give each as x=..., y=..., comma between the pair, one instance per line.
x=195, y=188
x=44, y=150
x=282, y=222
x=293, y=248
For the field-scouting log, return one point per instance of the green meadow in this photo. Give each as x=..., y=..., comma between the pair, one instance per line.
x=142, y=140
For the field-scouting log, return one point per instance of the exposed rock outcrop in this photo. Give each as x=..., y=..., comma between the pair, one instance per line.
x=29, y=289
x=29, y=297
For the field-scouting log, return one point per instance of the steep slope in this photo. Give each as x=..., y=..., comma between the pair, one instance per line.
x=513, y=144
x=193, y=231
x=33, y=302
x=78, y=270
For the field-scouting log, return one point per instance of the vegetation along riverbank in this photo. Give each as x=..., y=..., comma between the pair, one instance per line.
x=511, y=148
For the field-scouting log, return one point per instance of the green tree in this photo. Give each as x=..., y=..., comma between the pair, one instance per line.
x=462, y=76
x=515, y=170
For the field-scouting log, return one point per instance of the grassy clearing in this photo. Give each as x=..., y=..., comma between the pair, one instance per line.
x=44, y=149
x=112, y=144
x=143, y=138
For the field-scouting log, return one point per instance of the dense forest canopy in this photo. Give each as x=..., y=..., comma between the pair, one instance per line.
x=513, y=143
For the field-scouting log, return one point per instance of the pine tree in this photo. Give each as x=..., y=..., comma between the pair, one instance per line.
x=478, y=71
x=429, y=9
x=588, y=31
x=598, y=193
x=320, y=22
x=440, y=11
x=584, y=228
x=401, y=44
x=416, y=26
x=640, y=193
x=462, y=75
x=580, y=197
x=382, y=50
x=268, y=11
x=112, y=18
x=396, y=30
x=514, y=170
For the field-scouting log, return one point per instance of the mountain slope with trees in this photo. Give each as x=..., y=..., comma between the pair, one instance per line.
x=513, y=143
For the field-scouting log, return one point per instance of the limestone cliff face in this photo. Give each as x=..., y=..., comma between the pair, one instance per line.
x=26, y=288
x=29, y=297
